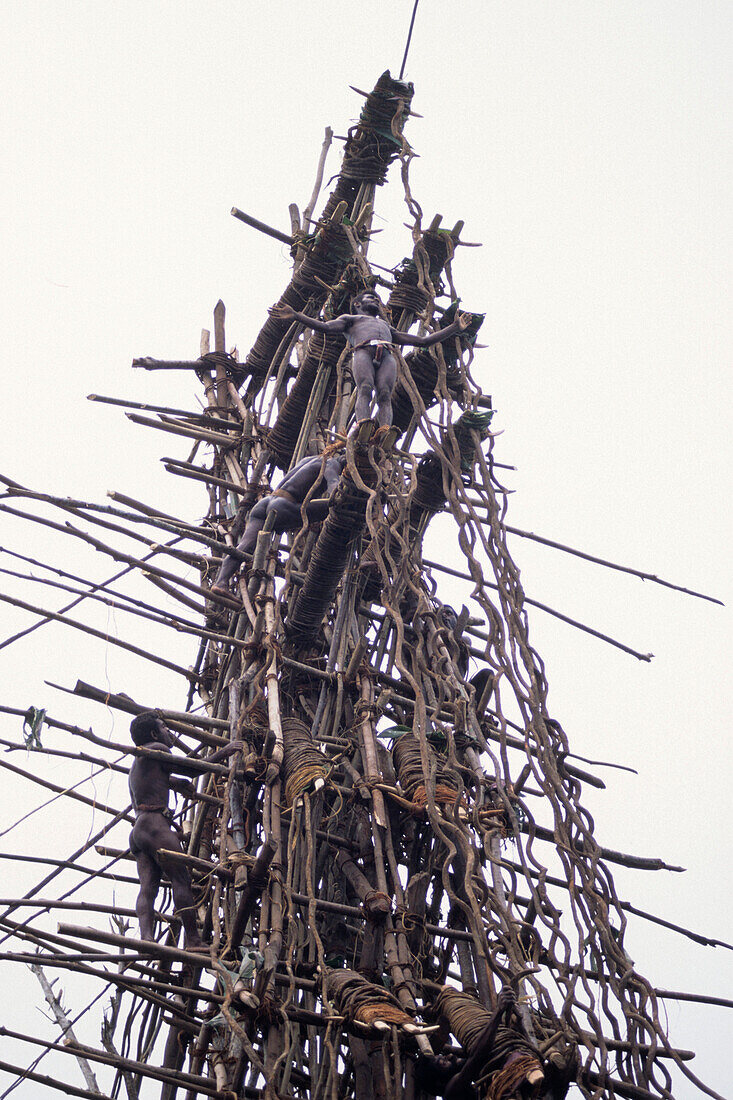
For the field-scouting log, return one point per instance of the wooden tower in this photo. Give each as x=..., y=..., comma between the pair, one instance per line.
x=402, y=834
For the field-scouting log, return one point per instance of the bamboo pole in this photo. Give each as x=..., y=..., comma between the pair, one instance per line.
x=143, y=947
x=94, y=633
x=50, y=1082
x=203, y=435
x=17, y=857
x=707, y=941
x=550, y=611
x=256, y=883
x=187, y=469
x=141, y=563
x=132, y=607
x=611, y=565
x=149, y=363
x=206, y=419
x=697, y=998
x=310, y=205
x=142, y=985
x=70, y=862
x=261, y=226
x=83, y=906
x=193, y=724
x=84, y=510
x=67, y=792
x=222, y=394
x=144, y=1069
x=102, y=765
x=60, y=572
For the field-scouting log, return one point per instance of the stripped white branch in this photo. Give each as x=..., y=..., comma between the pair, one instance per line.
x=69, y=1039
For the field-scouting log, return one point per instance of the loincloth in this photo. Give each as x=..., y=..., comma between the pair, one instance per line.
x=380, y=346
x=153, y=808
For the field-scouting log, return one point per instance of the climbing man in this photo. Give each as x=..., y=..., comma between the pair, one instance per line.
x=374, y=366
x=286, y=503
x=151, y=781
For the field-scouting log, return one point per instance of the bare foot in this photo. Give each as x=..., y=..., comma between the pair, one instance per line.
x=364, y=429
x=390, y=437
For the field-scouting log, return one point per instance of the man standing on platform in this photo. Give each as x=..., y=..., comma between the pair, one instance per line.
x=374, y=366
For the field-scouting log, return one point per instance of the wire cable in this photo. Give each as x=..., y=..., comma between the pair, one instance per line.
x=409, y=39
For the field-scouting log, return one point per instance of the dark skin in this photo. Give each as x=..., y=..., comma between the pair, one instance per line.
x=375, y=371
x=452, y=1076
x=298, y=483
x=151, y=781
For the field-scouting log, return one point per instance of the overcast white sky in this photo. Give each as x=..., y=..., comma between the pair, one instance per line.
x=587, y=146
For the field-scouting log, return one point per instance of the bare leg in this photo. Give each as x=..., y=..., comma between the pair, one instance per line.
x=226, y=571
x=288, y=515
x=230, y=565
x=153, y=834
x=148, y=872
x=185, y=909
x=317, y=510
x=362, y=367
x=180, y=881
x=386, y=377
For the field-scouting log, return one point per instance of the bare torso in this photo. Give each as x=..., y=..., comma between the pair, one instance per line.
x=313, y=473
x=150, y=779
x=360, y=328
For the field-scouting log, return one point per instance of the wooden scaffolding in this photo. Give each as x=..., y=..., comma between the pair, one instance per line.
x=392, y=834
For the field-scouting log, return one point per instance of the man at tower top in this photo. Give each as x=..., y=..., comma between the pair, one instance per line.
x=372, y=339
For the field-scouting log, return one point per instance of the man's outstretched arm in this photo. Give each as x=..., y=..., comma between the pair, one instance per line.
x=462, y=321
x=227, y=750
x=187, y=765
x=287, y=313
x=182, y=786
